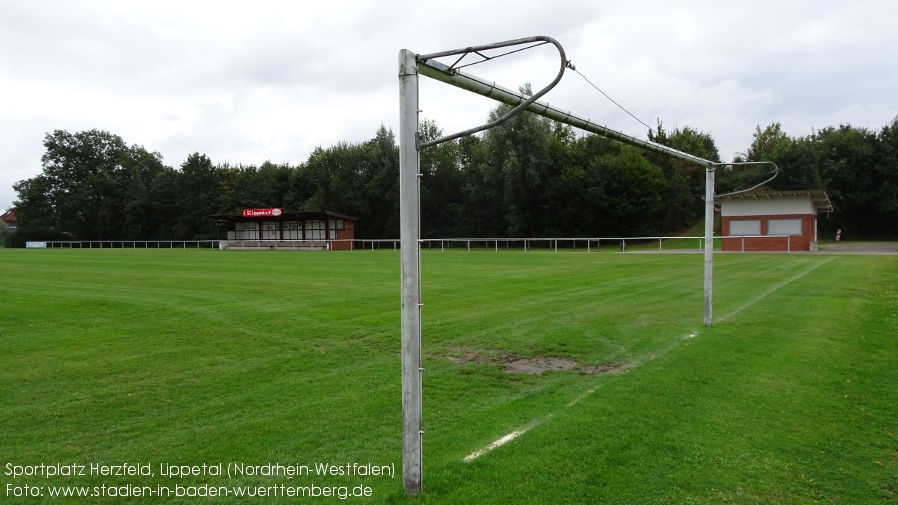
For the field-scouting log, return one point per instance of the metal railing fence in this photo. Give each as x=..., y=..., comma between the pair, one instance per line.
x=554, y=244
x=125, y=244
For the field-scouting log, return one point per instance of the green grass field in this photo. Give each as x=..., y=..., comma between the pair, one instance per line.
x=205, y=357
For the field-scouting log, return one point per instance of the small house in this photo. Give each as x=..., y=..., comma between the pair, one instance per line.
x=772, y=221
x=9, y=217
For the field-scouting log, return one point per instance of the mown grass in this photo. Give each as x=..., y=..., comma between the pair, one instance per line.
x=192, y=357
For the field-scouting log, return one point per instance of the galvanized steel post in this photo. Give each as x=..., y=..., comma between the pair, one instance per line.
x=709, y=242
x=412, y=471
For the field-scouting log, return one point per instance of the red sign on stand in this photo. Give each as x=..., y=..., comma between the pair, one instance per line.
x=262, y=212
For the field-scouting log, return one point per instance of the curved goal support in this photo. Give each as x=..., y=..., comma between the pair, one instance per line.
x=453, y=70
x=776, y=172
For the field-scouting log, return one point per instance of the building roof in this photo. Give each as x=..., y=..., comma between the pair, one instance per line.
x=8, y=217
x=287, y=215
x=818, y=197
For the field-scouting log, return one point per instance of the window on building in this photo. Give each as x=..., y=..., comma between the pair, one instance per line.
x=292, y=230
x=335, y=225
x=247, y=231
x=791, y=226
x=270, y=230
x=745, y=227
x=315, y=230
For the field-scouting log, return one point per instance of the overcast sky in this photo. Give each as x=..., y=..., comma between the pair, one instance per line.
x=250, y=81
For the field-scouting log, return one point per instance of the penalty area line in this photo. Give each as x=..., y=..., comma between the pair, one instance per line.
x=517, y=433
x=500, y=442
x=775, y=287
x=520, y=431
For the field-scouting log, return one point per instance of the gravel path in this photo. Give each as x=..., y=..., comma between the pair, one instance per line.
x=860, y=248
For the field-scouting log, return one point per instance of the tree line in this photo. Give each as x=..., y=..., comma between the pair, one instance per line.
x=530, y=177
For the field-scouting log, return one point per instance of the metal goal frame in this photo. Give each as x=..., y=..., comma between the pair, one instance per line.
x=411, y=65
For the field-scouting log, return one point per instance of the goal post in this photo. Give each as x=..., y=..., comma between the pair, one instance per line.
x=410, y=66
x=410, y=253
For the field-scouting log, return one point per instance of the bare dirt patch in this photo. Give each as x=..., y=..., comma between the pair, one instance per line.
x=517, y=364
x=537, y=366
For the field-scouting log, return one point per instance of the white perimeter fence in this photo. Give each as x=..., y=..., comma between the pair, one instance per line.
x=670, y=244
x=124, y=244
x=443, y=244
x=695, y=244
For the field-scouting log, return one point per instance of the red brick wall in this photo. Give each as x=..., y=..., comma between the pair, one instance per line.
x=764, y=243
x=347, y=233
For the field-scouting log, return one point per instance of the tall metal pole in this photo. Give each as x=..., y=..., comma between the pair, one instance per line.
x=709, y=243
x=412, y=466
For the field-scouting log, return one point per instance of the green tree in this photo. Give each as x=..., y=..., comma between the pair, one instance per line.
x=847, y=161
x=798, y=161
x=886, y=175
x=197, y=189
x=633, y=190
x=442, y=184
x=36, y=215
x=93, y=186
x=767, y=143
x=518, y=156
x=482, y=209
x=164, y=205
x=684, y=182
x=382, y=184
x=272, y=182
x=338, y=179
x=576, y=195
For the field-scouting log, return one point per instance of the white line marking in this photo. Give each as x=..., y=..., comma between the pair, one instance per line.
x=774, y=288
x=582, y=396
x=498, y=443
x=517, y=433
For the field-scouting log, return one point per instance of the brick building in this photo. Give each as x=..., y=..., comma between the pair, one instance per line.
x=772, y=221
x=257, y=229
x=9, y=217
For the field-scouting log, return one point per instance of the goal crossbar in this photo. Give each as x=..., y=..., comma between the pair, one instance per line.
x=440, y=72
